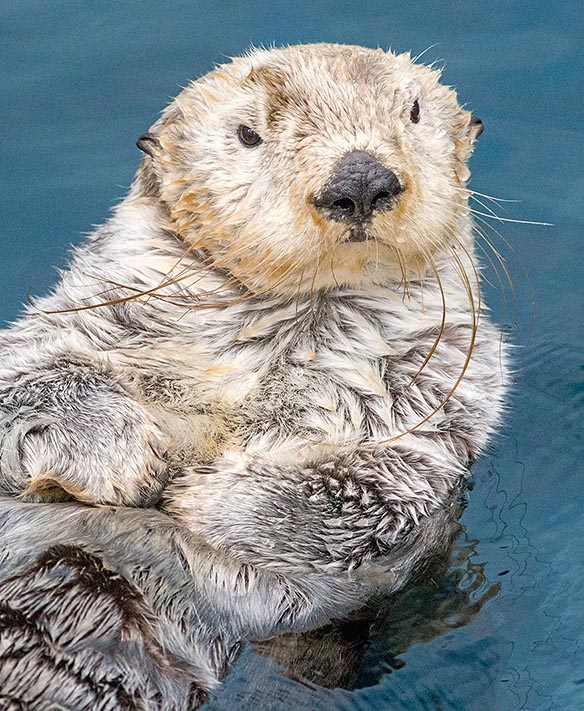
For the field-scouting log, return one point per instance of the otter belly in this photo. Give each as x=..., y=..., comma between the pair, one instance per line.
x=315, y=404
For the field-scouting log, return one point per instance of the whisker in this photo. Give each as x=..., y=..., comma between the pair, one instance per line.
x=482, y=235
x=242, y=298
x=504, y=295
x=177, y=262
x=507, y=219
x=478, y=217
x=469, y=192
x=501, y=261
x=312, y=283
x=523, y=271
x=421, y=277
x=496, y=200
x=486, y=207
x=475, y=312
x=333, y=267
x=405, y=284
x=113, y=302
x=300, y=280
x=376, y=253
x=502, y=285
x=441, y=327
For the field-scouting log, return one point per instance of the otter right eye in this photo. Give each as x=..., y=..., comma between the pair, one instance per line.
x=248, y=137
x=415, y=112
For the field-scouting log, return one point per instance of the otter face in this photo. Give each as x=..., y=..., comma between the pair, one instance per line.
x=314, y=165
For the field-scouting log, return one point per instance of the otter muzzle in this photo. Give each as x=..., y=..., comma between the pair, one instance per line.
x=359, y=187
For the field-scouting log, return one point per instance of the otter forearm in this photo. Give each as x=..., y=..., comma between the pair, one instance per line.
x=334, y=514
x=67, y=422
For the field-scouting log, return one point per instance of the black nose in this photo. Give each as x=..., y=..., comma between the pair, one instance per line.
x=359, y=186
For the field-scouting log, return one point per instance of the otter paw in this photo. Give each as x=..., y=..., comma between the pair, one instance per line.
x=118, y=458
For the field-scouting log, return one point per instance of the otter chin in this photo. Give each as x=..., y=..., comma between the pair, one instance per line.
x=358, y=234
x=279, y=334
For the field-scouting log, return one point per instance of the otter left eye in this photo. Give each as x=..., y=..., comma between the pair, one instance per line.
x=248, y=137
x=415, y=112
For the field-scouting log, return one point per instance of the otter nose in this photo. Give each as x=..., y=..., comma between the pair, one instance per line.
x=359, y=186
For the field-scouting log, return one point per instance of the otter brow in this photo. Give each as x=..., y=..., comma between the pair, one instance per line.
x=281, y=95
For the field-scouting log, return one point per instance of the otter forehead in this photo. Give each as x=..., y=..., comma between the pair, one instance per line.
x=303, y=68
x=324, y=83
x=313, y=82
x=313, y=78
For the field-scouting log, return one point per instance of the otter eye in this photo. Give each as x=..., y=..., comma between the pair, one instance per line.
x=248, y=137
x=415, y=112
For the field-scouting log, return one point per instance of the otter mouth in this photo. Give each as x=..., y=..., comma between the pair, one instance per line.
x=358, y=234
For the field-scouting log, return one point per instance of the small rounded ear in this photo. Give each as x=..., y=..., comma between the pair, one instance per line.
x=476, y=127
x=148, y=143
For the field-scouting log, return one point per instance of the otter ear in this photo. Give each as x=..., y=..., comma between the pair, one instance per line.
x=476, y=127
x=148, y=143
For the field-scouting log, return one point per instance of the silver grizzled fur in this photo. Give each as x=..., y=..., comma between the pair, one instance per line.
x=305, y=391
x=119, y=609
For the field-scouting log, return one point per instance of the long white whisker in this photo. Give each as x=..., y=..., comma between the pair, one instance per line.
x=507, y=219
x=490, y=197
x=482, y=204
x=419, y=56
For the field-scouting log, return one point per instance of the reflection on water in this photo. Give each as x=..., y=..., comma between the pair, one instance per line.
x=87, y=594
x=309, y=670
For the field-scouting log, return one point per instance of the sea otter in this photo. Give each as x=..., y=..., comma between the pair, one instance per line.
x=278, y=337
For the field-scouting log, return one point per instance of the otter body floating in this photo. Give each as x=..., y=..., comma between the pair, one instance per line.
x=278, y=336
x=285, y=310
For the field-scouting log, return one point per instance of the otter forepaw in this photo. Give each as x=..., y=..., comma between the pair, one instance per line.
x=118, y=459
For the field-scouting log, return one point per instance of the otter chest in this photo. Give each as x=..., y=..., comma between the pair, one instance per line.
x=335, y=375
x=331, y=383
x=333, y=398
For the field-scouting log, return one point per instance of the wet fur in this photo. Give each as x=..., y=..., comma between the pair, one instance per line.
x=116, y=609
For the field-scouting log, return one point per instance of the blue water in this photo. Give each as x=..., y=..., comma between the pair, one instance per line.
x=79, y=83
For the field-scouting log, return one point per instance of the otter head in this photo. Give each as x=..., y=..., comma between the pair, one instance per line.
x=314, y=165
